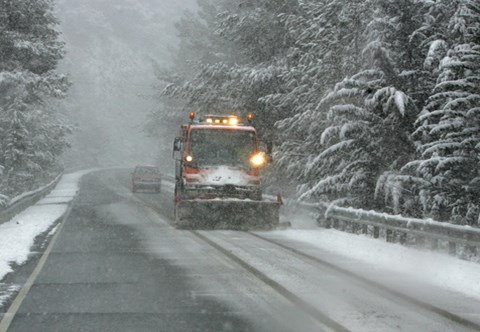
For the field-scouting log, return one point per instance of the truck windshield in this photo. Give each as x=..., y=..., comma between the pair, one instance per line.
x=214, y=147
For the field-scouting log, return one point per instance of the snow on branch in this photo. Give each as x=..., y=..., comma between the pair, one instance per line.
x=336, y=148
x=348, y=110
x=437, y=50
x=329, y=133
x=439, y=147
x=448, y=162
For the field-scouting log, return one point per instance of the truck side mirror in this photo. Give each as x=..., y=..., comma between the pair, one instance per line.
x=267, y=147
x=177, y=148
x=177, y=144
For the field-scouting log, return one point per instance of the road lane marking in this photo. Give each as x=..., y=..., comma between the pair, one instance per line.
x=13, y=309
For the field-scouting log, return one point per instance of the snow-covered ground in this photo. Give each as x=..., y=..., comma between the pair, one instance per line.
x=379, y=257
x=18, y=235
x=28, y=193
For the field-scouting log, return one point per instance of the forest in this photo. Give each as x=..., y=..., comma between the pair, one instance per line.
x=32, y=131
x=372, y=104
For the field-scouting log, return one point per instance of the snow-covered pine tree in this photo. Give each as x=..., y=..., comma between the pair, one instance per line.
x=362, y=139
x=239, y=65
x=29, y=53
x=369, y=116
x=448, y=129
x=329, y=37
x=396, y=49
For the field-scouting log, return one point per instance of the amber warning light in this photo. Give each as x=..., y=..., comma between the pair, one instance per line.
x=191, y=115
x=223, y=120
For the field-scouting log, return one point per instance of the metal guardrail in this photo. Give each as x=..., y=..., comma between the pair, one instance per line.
x=400, y=229
x=18, y=206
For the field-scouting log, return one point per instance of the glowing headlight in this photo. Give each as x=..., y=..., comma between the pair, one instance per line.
x=188, y=158
x=258, y=159
x=233, y=121
x=209, y=120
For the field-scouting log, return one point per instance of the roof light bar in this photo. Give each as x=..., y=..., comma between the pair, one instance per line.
x=231, y=120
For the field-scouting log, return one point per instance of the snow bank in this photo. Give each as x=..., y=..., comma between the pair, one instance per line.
x=29, y=193
x=18, y=235
x=439, y=269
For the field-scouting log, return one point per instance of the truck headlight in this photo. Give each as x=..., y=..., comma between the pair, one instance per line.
x=258, y=159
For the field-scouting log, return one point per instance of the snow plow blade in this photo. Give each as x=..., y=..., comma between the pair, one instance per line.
x=227, y=214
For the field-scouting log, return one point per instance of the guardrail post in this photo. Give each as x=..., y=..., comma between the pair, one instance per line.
x=434, y=244
x=355, y=228
x=389, y=235
x=420, y=241
x=328, y=223
x=350, y=225
x=336, y=224
x=403, y=238
x=364, y=229
x=452, y=248
x=376, y=232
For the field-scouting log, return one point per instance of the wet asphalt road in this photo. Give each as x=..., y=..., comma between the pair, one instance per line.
x=119, y=266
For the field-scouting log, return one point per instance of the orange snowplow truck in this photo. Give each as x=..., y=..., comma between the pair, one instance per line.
x=217, y=176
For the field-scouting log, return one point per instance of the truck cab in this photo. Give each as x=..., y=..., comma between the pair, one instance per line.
x=218, y=157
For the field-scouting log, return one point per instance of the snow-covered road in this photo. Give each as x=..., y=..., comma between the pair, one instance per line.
x=119, y=263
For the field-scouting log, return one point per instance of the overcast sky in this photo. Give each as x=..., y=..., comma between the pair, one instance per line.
x=111, y=45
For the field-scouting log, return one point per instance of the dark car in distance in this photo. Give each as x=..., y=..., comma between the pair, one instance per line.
x=146, y=177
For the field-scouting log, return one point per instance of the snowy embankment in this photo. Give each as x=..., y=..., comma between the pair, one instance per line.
x=17, y=236
x=372, y=257
x=29, y=193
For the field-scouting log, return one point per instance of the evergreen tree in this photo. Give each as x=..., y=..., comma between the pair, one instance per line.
x=375, y=102
x=448, y=130
x=237, y=65
x=31, y=138
x=329, y=37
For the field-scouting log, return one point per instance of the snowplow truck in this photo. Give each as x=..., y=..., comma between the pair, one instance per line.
x=218, y=168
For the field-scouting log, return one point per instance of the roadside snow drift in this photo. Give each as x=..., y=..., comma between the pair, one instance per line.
x=18, y=235
x=358, y=252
